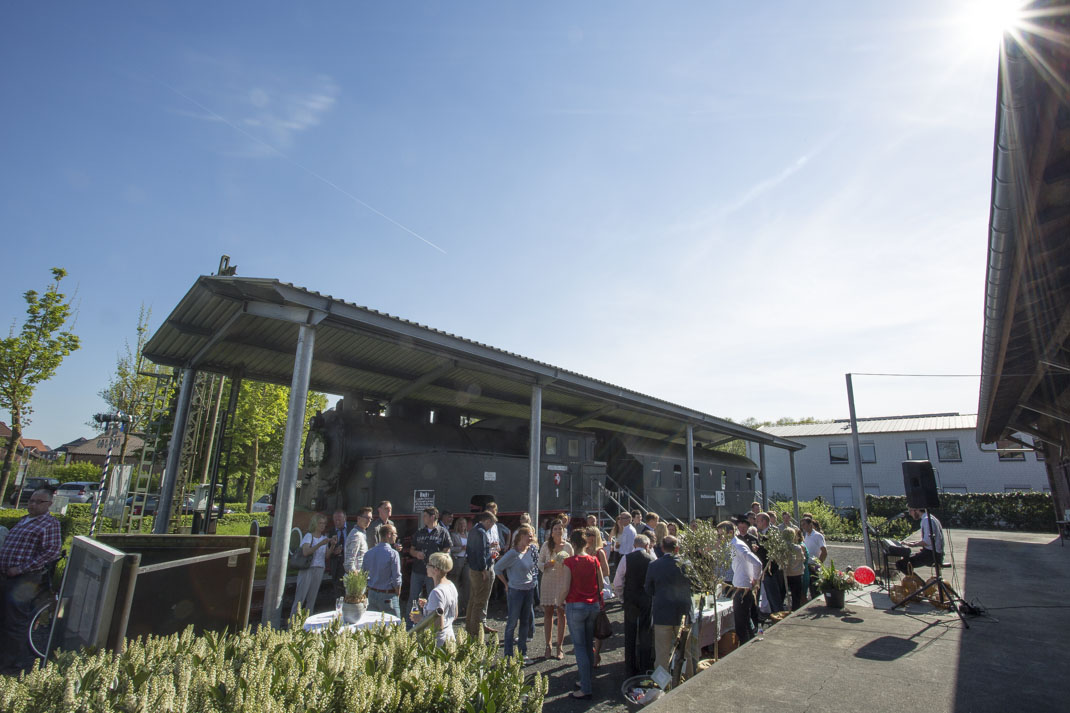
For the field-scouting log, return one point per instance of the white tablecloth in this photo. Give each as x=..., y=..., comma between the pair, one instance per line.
x=319, y=622
x=721, y=608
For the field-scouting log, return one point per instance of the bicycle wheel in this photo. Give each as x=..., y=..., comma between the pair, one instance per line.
x=41, y=628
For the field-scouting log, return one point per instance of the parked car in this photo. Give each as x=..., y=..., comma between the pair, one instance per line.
x=29, y=486
x=264, y=504
x=80, y=491
x=153, y=501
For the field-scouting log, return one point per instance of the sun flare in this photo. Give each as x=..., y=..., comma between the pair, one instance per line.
x=983, y=22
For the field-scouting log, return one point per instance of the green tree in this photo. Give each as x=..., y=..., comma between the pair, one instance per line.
x=31, y=357
x=259, y=429
x=130, y=391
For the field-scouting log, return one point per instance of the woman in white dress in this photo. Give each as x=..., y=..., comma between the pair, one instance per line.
x=442, y=597
x=314, y=544
x=554, y=586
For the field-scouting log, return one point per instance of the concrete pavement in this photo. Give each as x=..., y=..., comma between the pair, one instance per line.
x=867, y=657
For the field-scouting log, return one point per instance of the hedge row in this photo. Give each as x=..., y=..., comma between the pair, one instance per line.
x=79, y=516
x=1031, y=512
x=372, y=670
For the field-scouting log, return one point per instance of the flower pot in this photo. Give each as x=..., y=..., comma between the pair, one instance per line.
x=351, y=613
x=834, y=599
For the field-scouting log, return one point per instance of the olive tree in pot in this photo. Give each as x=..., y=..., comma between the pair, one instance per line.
x=356, y=601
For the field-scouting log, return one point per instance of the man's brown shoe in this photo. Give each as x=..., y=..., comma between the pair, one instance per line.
x=490, y=630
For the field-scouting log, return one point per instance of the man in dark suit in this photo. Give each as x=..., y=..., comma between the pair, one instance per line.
x=336, y=555
x=670, y=594
x=638, y=625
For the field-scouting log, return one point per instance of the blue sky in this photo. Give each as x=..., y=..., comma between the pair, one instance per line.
x=726, y=205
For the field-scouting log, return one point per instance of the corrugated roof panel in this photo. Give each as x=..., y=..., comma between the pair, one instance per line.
x=902, y=424
x=365, y=351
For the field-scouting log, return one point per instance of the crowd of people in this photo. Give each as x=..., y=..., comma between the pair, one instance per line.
x=458, y=563
x=461, y=563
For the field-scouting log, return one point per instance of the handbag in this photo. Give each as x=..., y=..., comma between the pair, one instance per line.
x=299, y=560
x=603, y=629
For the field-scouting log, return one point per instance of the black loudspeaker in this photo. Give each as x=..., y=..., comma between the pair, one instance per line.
x=919, y=482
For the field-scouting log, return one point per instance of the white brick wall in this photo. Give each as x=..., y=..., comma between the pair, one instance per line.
x=978, y=472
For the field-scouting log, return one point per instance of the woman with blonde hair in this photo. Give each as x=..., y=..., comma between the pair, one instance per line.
x=315, y=545
x=517, y=569
x=442, y=598
x=660, y=533
x=796, y=568
x=555, y=582
x=596, y=548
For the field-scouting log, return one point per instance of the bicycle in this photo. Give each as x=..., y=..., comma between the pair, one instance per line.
x=45, y=603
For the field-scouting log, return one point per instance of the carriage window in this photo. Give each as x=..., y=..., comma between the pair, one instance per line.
x=677, y=476
x=573, y=448
x=551, y=445
x=724, y=480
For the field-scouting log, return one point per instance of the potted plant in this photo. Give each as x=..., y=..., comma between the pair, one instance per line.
x=355, y=602
x=834, y=582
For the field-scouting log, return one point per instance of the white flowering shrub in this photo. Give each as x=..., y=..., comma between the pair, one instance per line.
x=269, y=671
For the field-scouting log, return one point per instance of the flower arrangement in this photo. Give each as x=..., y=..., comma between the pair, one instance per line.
x=356, y=586
x=831, y=579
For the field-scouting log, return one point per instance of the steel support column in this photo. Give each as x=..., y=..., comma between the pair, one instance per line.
x=761, y=476
x=690, y=473
x=794, y=486
x=174, y=454
x=287, y=490
x=858, y=471
x=534, y=460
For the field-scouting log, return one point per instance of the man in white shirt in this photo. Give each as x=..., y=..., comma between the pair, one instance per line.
x=813, y=540
x=357, y=541
x=930, y=540
x=746, y=572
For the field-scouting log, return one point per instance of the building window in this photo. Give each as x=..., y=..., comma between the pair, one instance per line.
x=551, y=445
x=948, y=451
x=868, y=451
x=677, y=477
x=843, y=496
x=873, y=489
x=1015, y=452
x=838, y=453
x=573, y=448
x=917, y=450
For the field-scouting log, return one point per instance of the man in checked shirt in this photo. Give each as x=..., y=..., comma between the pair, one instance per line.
x=33, y=543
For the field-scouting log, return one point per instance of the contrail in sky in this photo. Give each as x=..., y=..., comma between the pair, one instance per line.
x=304, y=168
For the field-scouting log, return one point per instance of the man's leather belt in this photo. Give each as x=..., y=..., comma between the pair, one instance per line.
x=383, y=591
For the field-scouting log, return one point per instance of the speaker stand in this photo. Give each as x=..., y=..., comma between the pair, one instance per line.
x=945, y=591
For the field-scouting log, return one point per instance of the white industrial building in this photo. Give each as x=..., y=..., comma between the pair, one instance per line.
x=826, y=467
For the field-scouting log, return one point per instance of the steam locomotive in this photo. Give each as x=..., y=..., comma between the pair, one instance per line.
x=416, y=457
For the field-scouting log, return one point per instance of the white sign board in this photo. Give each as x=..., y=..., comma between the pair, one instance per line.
x=720, y=497
x=490, y=475
x=422, y=499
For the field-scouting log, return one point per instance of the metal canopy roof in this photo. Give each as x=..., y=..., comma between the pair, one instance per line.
x=231, y=324
x=1025, y=383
